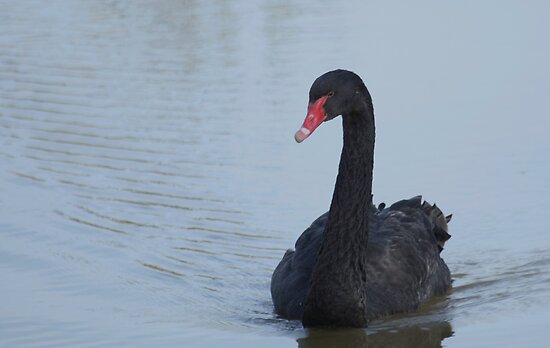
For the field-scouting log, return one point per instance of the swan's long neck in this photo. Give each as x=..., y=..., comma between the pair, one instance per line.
x=337, y=294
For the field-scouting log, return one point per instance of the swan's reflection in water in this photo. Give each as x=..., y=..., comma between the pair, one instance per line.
x=428, y=335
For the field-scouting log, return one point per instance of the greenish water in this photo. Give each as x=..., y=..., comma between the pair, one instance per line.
x=150, y=181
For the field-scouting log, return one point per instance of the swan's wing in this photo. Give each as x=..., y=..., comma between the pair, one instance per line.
x=290, y=280
x=404, y=267
x=438, y=220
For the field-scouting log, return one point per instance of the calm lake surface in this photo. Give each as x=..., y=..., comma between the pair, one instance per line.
x=150, y=182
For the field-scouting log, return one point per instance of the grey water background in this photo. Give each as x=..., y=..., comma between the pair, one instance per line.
x=150, y=182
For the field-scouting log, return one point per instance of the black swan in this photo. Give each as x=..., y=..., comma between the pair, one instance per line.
x=358, y=262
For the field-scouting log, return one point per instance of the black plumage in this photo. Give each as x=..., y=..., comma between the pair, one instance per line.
x=357, y=262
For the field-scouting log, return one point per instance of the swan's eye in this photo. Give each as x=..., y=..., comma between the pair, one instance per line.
x=330, y=94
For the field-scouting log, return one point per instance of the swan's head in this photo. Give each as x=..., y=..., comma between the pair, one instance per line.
x=332, y=94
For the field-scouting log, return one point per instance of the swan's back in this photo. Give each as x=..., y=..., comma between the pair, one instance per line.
x=404, y=268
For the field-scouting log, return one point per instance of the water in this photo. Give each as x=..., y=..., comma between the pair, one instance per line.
x=150, y=181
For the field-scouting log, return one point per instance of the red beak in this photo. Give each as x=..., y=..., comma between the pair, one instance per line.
x=315, y=116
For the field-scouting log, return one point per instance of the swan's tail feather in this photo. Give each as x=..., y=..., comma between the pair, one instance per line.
x=439, y=220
